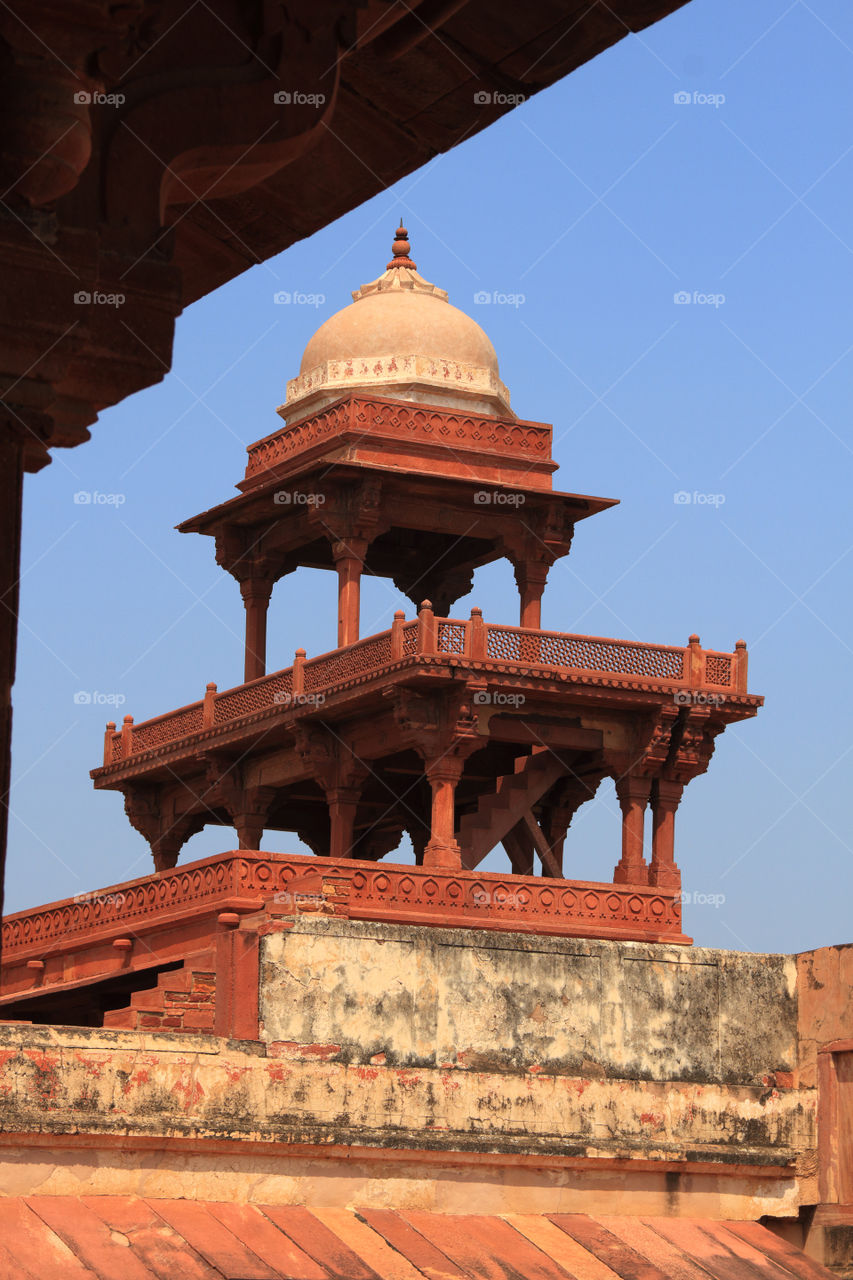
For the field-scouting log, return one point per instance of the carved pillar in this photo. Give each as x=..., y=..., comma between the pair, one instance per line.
x=633, y=795
x=11, y=477
x=665, y=800
x=249, y=808
x=349, y=556
x=442, y=848
x=343, y=805
x=256, y=592
x=341, y=774
x=531, y=576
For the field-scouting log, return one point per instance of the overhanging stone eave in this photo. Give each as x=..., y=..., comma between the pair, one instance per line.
x=240, y=509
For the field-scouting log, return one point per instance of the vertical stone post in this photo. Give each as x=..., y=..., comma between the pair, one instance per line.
x=477, y=635
x=343, y=804
x=442, y=849
x=349, y=556
x=633, y=794
x=256, y=598
x=108, y=741
x=298, y=680
x=397, y=635
x=740, y=666
x=12, y=449
x=694, y=663
x=531, y=576
x=208, y=709
x=427, y=630
x=666, y=796
x=127, y=737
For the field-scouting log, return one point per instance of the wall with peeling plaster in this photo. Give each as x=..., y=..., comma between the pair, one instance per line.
x=410, y=1066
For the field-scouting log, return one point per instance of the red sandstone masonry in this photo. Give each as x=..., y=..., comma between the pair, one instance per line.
x=183, y=1000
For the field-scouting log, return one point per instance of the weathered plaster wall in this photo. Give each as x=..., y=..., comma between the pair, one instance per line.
x=514, y=1003
x=416, y=1066
x=116, y=1112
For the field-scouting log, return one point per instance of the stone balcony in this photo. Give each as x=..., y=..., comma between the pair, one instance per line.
x=503, y=656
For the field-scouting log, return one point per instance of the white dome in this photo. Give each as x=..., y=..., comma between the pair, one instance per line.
x=401, y=338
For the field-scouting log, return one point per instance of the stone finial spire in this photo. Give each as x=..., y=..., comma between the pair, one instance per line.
x=400, y=249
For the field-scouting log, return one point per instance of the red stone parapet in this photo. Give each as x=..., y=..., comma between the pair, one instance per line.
x=178, y=950
x=497, y=650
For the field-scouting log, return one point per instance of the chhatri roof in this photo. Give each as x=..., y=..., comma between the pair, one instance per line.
x=400, y=336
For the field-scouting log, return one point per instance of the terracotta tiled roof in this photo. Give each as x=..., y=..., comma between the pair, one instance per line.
x=123, y=1238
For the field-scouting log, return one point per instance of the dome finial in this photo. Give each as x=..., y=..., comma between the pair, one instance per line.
x=400, y=249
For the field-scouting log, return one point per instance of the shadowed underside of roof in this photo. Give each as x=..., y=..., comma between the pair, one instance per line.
x=65, y=1238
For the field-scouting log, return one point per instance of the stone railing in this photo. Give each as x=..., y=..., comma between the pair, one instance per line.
x=296, y=883
x=471, y=640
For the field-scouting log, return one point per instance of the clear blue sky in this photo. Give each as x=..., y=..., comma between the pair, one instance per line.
x=598, y=201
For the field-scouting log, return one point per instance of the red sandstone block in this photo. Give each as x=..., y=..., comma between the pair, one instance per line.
x=150, y=1020
x=219, y=1247
x=175, y=1020
x=88, y=1239
x=321, y=1244
x=411, y=1244
x=176, y=997
x=198, y=1020
x=156, y=1245
x=290, y=1049
x=121, y=1019
x=152, y=999
x=200, y=997
x=251, y=1226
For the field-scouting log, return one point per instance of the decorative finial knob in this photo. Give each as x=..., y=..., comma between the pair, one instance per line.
x=401, y=249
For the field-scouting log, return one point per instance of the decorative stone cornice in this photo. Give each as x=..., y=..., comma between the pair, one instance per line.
x=411, y=376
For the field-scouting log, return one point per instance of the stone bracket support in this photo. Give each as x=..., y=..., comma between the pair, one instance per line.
x=156, y=820
x=341, y=774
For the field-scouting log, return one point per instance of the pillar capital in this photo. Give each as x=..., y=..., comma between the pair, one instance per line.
x=632, y=789
x=256, y=588
x=350, y=547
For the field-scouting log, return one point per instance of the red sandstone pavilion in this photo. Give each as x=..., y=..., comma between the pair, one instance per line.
x=400, y=457
x=339, y=1067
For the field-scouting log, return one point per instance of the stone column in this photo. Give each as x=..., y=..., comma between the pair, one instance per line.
x=666, y=796
x=249, y=808
x=343, y=804
x=633, y=795
x=442, y=848
x=256, y=594
x=531, y=576
x=349, y=561
x=11, y=480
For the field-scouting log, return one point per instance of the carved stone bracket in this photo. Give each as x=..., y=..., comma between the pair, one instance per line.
x=560, y=807
x=247, y=806
x=339, y=771
x=443, y=729
x=442, y=586
x=156, y=820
